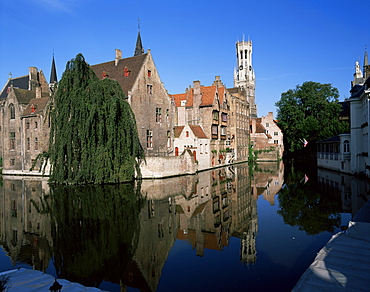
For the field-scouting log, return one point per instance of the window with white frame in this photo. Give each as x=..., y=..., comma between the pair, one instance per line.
x=346, y=146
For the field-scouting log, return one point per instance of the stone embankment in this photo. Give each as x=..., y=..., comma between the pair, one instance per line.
x=343, y=264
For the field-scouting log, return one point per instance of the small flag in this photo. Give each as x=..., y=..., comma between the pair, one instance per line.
x=304, y=141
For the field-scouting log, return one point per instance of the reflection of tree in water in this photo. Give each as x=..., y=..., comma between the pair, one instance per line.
x=303, y=206
x=95, y=231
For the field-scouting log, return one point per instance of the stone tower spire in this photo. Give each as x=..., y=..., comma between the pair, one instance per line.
x=366, y=58
x=139, y=45
x=53, y=73
x=366, y=65
x=244, y=73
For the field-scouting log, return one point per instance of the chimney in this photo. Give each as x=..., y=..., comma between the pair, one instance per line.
x=38, y=92
x=32, y=78
x=118, y=56
x=253, y=126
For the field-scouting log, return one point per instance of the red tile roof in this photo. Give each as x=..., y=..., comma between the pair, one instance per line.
x=178, y=130
x=198, y=131
x=177, y=98
x=208, y=96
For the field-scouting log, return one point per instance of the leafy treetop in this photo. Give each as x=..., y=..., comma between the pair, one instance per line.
x=93, y=137
x=311, y=112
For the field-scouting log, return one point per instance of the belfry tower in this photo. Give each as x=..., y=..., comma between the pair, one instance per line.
x=244, y=73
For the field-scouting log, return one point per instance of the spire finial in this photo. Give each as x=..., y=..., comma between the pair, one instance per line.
x=366, y=57
x=139, y=45
x=138, y=23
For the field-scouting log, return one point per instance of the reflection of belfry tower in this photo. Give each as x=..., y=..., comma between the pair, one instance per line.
x=244, y=73
x=248, y=253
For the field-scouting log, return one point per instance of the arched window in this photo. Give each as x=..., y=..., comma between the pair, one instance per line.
x=346, y=146
x=12, y=111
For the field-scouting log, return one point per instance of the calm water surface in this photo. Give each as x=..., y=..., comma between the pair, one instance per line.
x=236, y=228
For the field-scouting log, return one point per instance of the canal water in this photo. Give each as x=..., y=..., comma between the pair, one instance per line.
x=237, y=228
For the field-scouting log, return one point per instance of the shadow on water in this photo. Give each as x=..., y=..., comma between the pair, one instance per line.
x=94, y=230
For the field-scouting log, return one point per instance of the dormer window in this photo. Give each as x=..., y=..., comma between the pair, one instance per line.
x=105, y=74
x=126, y=72
x=33, y=109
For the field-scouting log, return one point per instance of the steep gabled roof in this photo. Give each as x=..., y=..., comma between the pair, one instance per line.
x=178, y=131
x=23, y=95
x=18, y=82
x=259, y=127
x=208, y=96
x=132, y=64
x=36, y=106
x=177, y=98
x=198, y=131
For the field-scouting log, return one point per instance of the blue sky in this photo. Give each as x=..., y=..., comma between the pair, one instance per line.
x=293, y=40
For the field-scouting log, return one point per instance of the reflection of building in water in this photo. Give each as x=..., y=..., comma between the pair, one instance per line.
x=354, y=192
x=245, y=224
x=221, y=205
x=25, y=231
x=156, y=238
x=268, y=180
x=157, y=230
x=204, y=215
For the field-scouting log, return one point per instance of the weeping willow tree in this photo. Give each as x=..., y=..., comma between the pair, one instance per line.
x=93, y=135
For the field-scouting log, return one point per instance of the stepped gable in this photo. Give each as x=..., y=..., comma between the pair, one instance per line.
x=131, y=65
x=189, y=100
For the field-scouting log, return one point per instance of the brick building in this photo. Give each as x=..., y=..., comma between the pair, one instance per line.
x=266, y=138
x=23, y=130
x=208, y=108
x=152, y=106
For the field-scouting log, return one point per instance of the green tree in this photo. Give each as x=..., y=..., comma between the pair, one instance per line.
x=303, y=205
x=311, y=112
x=93, y=136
